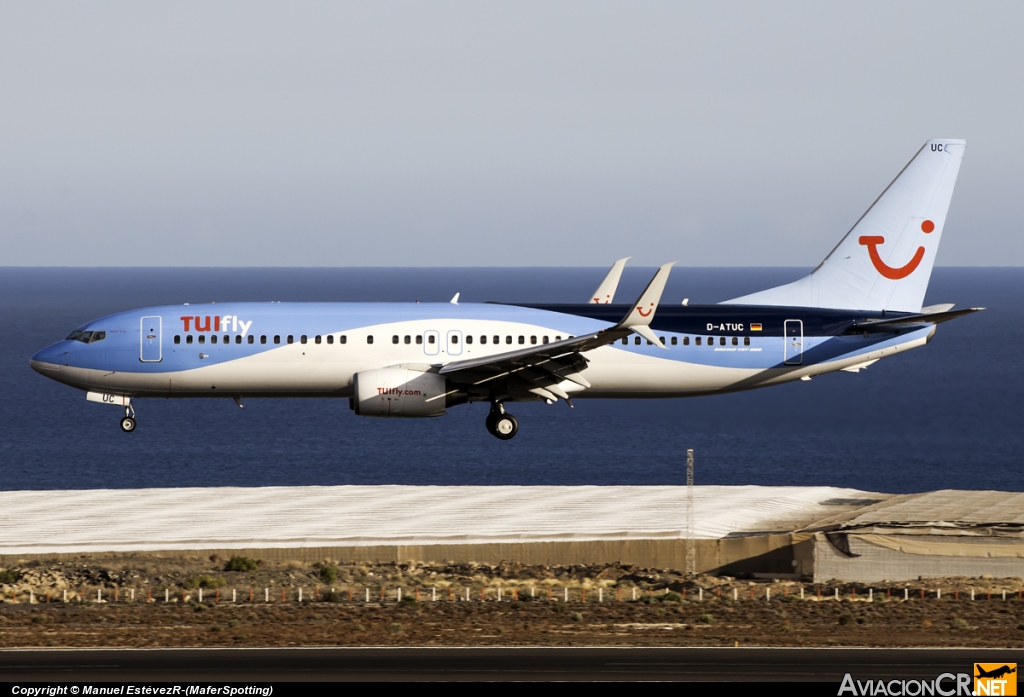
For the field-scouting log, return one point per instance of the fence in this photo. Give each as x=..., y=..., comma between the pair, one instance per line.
x=379, y=594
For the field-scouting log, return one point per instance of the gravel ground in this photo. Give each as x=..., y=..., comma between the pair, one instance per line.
x=667, y=611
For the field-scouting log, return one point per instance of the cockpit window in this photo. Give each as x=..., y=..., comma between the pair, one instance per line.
x=97, y=336
x=74, y=335
x=84, y=337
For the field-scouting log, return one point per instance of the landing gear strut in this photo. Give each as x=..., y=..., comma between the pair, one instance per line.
x=128, y=422
x=500, y=423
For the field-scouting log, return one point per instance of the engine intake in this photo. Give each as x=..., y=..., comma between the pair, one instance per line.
x=398, y=392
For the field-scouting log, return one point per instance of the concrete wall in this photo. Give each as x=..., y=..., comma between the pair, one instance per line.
x=733, y=555
x=875, y=564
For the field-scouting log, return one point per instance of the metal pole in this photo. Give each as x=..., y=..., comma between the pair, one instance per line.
x=691, y=553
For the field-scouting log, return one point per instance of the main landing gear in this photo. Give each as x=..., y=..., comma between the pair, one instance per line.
x=128, y=422
x=500, y=423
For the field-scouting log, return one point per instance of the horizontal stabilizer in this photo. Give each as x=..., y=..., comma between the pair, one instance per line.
x=882, y=325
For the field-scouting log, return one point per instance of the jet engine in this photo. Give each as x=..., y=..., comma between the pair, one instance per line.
x=398, y=392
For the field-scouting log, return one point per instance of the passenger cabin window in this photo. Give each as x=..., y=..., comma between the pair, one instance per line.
x=252, y=338
x=508, y=339
x=202, y=338
x=497, y=339
x=546, y=340
x=342, y=339
x=483, y=339
x=303, y=339
x=697, y=341
x=291, y=339
x=394, y=339
x=188, y=338
x=430, y=339
x=650, y=343
x=455, y=338
x=317, y=339
x=213, y=338
x=662, y=340
x=533, y=340
x=522, y=339
x=746, y=341
x=558, y=338
x=419, y=339
x=636, y=341
x=227, y=339
x=721, y=341
x=675, y=340
x=330, y=338
x=238, y=338
x=625, y=340
x=263, y=338
x=686, y=341
x=469, y=338
x=177, y=338
x=369, y=338
x=277, y=338
x=407, y=339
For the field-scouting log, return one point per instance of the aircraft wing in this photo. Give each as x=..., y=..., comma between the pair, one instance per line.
x=605, y=292
x=541, y=368
x=885, y=325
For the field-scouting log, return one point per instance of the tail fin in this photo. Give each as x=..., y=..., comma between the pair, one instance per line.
x=885, y=261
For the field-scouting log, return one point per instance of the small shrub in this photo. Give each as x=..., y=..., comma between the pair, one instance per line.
x=40, y=619
x=408, y=600
x=958, y=623
x=706, y=618
x=1021, y=626
x=328, y=574
x=197, y=607
x=516, y=604
x=359, y=628
x=786, y=629
x=215, y=628
x=558, y=608
x=241, y=564
x=10, y=576
x=395, y=628
x=205, y=581
x=233, y=623
x=332, y=597
x=577, y=617
x=671, y=597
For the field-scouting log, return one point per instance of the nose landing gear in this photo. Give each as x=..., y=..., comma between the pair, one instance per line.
x=128, y=422
x=501, y=424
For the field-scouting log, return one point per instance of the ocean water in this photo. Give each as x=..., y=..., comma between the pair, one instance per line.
x=947, y=415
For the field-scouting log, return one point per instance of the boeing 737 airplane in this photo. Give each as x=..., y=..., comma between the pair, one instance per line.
x=862, y=303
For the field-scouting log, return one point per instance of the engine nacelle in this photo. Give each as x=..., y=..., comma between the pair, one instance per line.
x=398, y=392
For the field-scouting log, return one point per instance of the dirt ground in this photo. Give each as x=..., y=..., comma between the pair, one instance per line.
x=668, y=610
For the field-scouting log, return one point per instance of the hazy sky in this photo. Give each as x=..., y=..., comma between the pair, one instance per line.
x=493, y=134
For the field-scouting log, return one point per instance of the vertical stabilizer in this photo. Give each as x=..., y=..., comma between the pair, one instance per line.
x=885, y=261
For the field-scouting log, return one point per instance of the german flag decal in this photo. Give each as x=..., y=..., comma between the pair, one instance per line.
x=755, y=327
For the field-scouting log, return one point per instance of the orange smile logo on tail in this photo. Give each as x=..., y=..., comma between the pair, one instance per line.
x=872, y=242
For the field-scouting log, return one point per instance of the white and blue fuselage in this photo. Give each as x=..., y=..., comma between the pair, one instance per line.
x=862, y=303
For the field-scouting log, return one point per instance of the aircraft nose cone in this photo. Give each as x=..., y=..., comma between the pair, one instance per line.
x=47, y=362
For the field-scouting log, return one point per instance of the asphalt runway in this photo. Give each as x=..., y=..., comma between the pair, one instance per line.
x=457, y=664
